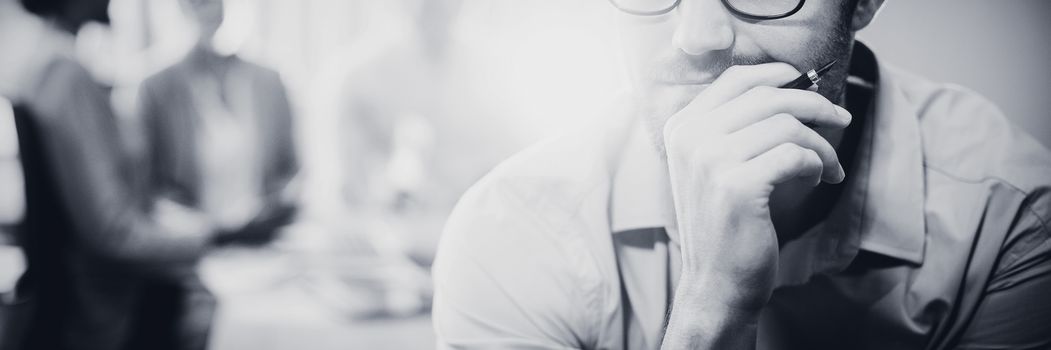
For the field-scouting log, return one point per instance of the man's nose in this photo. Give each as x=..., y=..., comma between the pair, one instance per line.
x=704, y=26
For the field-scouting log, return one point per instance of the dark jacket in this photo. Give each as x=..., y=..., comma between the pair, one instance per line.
x=99, y=270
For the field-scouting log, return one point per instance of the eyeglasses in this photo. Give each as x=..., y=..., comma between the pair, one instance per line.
x=748, y=9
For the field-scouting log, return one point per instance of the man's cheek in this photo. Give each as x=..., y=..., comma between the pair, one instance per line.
x=646, y=37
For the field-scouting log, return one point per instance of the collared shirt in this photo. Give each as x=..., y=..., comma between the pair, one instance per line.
x=200, y=121
x=231, y=187
x=940, y=238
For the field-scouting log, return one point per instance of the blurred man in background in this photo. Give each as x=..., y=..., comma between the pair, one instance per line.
x=219, y=142
x=105, y=270
x=219, y=136
x=715, y=209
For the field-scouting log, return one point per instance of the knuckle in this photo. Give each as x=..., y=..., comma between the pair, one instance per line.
x=668, y=132
x=762, y=92
x=811, y=158
x=780, y=70
x=733, y=71
x=787, y=69
x=793, y=124
x=793, y=153
x=783, y=121
x=800, y=133
x=785, y=126
x=672, y=129
x=681, y=147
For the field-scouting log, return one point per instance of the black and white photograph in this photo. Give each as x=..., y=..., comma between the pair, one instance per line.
x=525, y=174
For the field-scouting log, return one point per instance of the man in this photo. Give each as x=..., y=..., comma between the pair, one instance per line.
x=220, y=136
x=218, y=142
x=103, y=269
x=693, y=217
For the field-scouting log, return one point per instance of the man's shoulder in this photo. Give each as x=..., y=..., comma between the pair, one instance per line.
x=550, y=199
x=535, y=228
x=160, y=82
x=547, y=183
x=176, y=73
x=68, y=90
x=261, y=74
x=967, y=137
x=977, y=161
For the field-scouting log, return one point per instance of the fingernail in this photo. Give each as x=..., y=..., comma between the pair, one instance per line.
x=844, y=114
x=840, y=173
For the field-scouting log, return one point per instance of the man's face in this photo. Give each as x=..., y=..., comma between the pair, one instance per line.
x=672, y=57
x=207, y=14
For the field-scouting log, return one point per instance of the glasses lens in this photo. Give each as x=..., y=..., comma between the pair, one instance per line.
x=764, y=8
x=645, y=7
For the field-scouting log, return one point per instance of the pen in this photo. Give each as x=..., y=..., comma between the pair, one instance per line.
x=810, y=78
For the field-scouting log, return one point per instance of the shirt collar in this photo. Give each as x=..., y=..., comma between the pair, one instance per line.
x=892, y=201
x=882, y=211
x=641, y=196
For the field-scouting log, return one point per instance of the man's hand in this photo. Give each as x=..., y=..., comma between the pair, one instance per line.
x=262, y=230
x=727, y=150
x=181, y=220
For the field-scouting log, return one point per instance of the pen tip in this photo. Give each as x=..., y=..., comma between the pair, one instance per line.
x=828, y=66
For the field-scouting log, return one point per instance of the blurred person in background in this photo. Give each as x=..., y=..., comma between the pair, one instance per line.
x=219, y=136
x=218, y=140
x=105, y=270
x=714, y=208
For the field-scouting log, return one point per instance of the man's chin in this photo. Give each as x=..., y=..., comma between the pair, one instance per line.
x=659, y=102
x=674, y=97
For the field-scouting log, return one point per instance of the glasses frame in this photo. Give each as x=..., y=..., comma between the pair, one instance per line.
x=736, y=12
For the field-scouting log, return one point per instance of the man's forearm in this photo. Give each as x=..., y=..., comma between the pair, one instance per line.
x=700, y=319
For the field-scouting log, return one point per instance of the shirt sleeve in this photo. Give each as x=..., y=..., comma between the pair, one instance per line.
x=503, y=280
x=1015, y=311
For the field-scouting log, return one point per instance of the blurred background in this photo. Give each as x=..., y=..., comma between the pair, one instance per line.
x=398, y=106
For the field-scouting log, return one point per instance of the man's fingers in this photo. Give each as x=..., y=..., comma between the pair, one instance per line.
x=785, y=162
x=736, y=80
x=762, y=102
x=758, y=138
